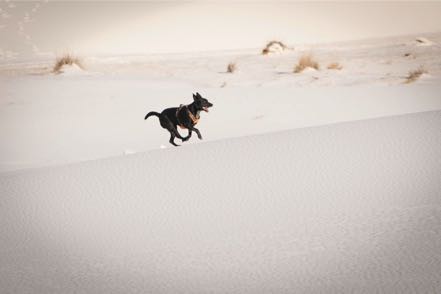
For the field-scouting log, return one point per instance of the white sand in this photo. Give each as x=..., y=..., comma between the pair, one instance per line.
x=48, y=119
x=263, y=205
x=36, y=28
x=347, y=208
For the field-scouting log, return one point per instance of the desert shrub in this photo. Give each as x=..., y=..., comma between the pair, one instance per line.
x=335, y=65
x=421, y=41
x=414, y=75
x=67, y=59
x=232, y=67
x=304, y=62
x=273, y=46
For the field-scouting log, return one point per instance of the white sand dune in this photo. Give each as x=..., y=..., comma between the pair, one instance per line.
x=346, y=208
x=98, y=112
x=133, y=27
x=94, y=200
x=73, y=69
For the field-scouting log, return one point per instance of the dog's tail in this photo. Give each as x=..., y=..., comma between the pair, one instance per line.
x=151, y=113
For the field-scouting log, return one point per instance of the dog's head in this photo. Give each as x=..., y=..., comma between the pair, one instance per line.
x=201, y=103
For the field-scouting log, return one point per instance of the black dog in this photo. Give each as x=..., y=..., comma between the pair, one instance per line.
x=185, y=116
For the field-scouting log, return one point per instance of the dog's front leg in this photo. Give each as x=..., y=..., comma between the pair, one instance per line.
x=197, y=132
x=188, y=136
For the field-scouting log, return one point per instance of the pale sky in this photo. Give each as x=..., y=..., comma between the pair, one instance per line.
x=28, y=29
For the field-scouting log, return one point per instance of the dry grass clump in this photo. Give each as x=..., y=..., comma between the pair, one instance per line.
x=421, y=41
x=232, y=67
x=335, y=65
x=410, y=55
x=67, y=59
x=415, y=75
x=272, y=46
x=304, y=62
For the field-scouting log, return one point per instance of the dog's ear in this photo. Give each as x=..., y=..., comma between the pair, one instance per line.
x=194, y=97
x=198, y=95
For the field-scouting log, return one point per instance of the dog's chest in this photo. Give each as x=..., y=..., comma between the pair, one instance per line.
x=183, y=114
x=194, y=118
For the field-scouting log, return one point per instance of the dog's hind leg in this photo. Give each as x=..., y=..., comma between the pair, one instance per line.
x=172, y=140
x=167, y=124
x=175, y=131
x=174, y=134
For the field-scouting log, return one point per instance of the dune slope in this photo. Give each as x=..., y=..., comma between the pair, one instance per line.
x=98, y=111
x=351, y=207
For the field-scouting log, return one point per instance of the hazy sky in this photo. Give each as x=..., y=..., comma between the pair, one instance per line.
x=32, y=28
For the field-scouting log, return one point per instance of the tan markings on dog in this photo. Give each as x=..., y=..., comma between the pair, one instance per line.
x=193, y=118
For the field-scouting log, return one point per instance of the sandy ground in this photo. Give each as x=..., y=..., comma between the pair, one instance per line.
x=351, y=207
x=48, y=119
x=291, y=190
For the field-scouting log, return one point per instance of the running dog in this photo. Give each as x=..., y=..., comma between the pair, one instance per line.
x=184, y=116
